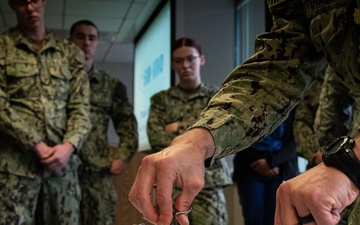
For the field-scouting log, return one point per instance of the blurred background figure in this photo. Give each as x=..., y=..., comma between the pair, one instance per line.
x=44, y=119
x=108, y=99
x=260, y=169
x=172, y=111
x=307, y=145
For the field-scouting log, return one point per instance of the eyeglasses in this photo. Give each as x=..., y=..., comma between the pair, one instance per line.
x=24, y=3
x=180, y=61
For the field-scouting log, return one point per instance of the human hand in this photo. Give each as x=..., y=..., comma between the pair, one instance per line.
x=43, y=150
x=321, y=191
x=172, y=127
x=183, y=163
x=273, y=172
x=117, y=166
x=59, y=158
x=318, y=157
x=262, y=167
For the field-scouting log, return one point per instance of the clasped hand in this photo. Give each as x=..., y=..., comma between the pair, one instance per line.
x=54, y=158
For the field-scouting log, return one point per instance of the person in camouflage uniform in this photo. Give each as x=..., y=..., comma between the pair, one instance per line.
x=254, y=99
x=314, y=125
x=172, y=111
x=108, y=99
x=44, y=119
x=337, y=101
x=303, y=128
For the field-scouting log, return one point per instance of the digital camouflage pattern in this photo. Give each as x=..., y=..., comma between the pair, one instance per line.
x=109, y=100
x=98, y=199
x=208, y=208
x=338, y=115
x=25, y=195
x=303, y=127
x=257, y=95
x=173, y=105
x=44, y=96
x=321, y=123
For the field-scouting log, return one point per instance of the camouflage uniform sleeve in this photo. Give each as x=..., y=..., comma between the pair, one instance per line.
x=304, y=133
x=184, y=125
x=11, y=124
x=158, y=137
x=334, y=112
x=257, y=96
x=78, y=123
x=125, y=123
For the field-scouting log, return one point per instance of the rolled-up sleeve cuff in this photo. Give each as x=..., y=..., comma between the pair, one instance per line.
x=75, y=142
x=224, y=130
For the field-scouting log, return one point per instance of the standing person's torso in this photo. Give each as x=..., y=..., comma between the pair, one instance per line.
x=180, y=107
x=95, y=153
x=38, y=87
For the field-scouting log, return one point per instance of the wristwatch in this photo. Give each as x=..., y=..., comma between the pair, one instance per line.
x=340, y=154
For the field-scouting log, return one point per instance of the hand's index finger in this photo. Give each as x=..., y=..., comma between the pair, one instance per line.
x=165, y=179
x=140, y=193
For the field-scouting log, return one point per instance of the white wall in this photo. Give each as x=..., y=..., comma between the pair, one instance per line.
x=211, y=24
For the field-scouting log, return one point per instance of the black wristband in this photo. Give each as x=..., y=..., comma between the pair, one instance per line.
x=340, y=154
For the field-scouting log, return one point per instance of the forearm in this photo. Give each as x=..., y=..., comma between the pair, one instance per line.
x=12, y=125
x=198, y=139
x=256, y=97
x=159, y=138
x=128, y=141
x=16, y=128
x=334, y=112
x=78, y=107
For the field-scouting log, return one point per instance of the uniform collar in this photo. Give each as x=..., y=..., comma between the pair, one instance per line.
x=94, y=74
x=176, y=91
x=21, y=39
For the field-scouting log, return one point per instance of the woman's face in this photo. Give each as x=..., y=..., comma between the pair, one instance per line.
x=186, y=62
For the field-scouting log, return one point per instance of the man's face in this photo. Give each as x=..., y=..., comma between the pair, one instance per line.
x=86, y=37
x=29, y=13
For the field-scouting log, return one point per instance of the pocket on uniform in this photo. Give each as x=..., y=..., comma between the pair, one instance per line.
x=21, y=79
x=57, y=80
x=326, y=26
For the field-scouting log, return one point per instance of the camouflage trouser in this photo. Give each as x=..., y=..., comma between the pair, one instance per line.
x=208, y=208
x=345, y=214
x=354, y=218
x=47, y=199
x=98, y=203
